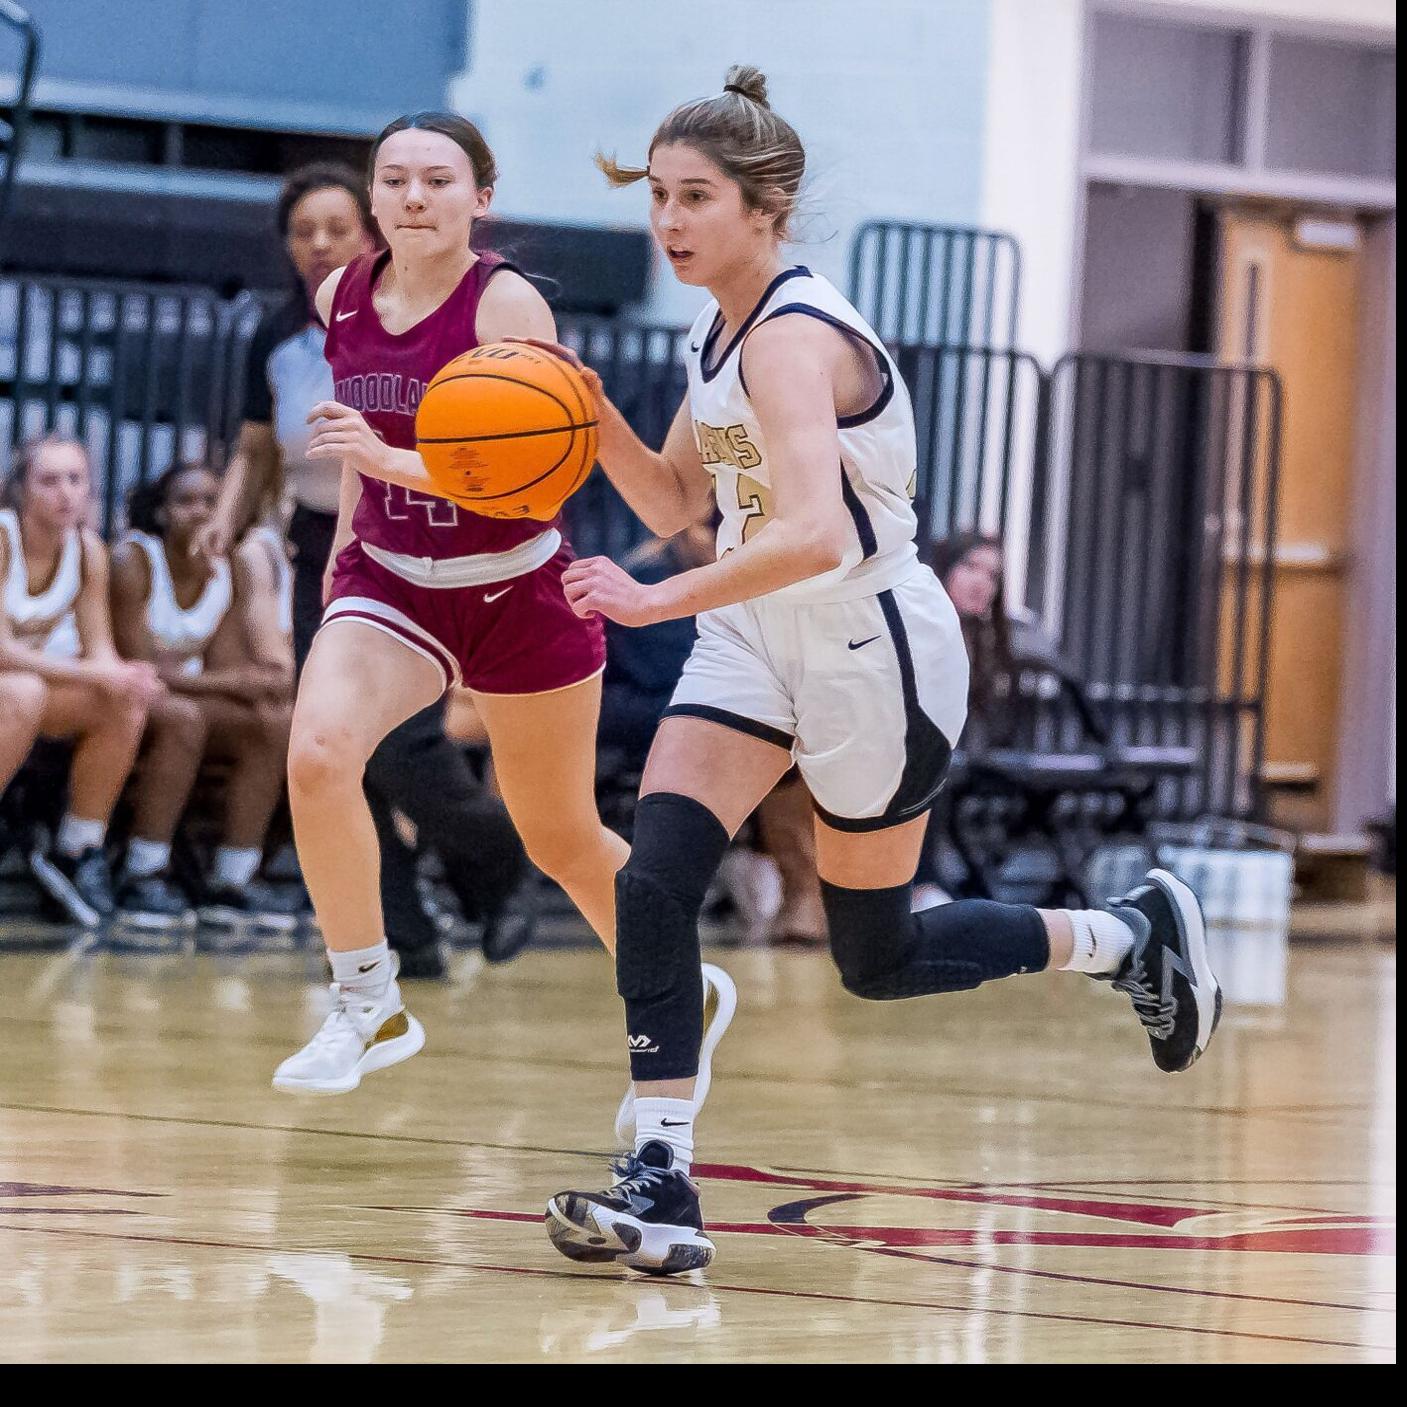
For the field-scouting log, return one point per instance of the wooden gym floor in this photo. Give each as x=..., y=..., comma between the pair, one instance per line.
x=1000, y=1176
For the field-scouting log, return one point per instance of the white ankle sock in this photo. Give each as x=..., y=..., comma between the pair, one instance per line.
x=365, y=971
x=235, y=865
x=77, y=835
x=1102, y=942
x=668, y=1121
x=146, y=857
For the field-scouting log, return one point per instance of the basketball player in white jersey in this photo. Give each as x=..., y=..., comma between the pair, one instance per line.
x=229, y=675
x=60, y=675
x=822, y=641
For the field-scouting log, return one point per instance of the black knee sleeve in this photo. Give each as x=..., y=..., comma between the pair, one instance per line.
x=884, y=952
x=677, y=846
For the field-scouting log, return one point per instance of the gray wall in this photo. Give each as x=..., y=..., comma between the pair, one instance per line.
x=349, y=64
x=1137, y=279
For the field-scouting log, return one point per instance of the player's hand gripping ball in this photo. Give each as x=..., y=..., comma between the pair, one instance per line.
x=508, y=430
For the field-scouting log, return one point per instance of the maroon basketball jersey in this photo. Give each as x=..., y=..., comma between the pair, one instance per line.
x=383, y=375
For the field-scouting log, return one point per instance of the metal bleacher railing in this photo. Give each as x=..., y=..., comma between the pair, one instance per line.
x=1158, y=508
x=1135, y=495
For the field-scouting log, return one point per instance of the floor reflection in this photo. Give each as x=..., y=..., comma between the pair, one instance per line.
x=351, y=1302
x=625, y=1312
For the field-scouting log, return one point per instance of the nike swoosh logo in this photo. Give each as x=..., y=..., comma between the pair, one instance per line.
x=369, y=966
x=490, y=599
x=674, y=1123
x=342, y=317
x=860, y=644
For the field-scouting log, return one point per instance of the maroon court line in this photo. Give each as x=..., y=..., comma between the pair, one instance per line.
x=711, y=1286
x=823, y=1234
x=1213, y=1205
x=1016, y=1196
x=1070, y=1184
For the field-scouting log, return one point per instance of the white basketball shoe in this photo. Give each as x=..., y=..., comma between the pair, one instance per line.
x=360, y=1035
x=720, y=1004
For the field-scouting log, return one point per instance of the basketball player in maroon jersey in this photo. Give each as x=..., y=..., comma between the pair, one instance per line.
x=422, y=594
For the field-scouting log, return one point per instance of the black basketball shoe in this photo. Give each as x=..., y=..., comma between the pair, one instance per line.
x=78, y=887
x=1168, y=975
x=421, y=961
x=153, y=902
x=510, y=926
x=649, y=1220
x=254, y=907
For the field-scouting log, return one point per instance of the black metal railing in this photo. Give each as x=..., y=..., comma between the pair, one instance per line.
x=1152, y=564
x=642, y=372
x=141, y=374
x=1135, y=495
x=936, y=285
x=976, y=419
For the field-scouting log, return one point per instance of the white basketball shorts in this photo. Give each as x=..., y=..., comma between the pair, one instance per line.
x=868, y=695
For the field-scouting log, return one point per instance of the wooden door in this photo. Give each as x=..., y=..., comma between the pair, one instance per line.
x=1294, y=307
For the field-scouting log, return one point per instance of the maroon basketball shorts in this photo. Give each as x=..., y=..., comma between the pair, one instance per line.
x=517, y=636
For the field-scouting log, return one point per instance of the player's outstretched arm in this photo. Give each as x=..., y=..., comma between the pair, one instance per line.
x=668, y=491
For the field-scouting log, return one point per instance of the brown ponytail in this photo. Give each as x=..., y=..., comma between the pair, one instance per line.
x=739, y=132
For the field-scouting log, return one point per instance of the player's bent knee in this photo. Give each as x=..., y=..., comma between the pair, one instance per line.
x=557, y=852
x=130, y=719
x=179, y=723
x=877, y=969
x=322, y=758
x=23, y=697
x=886, y=953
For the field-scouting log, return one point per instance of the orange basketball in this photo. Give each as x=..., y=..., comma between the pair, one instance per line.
x=508, y=431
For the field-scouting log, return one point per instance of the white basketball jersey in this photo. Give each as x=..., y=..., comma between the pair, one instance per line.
x=878, y=459
x=182, y=633
x=47, y=620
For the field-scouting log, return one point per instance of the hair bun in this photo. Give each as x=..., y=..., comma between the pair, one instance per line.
x=750, y=82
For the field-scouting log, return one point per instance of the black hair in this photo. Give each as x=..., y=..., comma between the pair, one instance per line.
x=321, y=176
x=145, y=502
